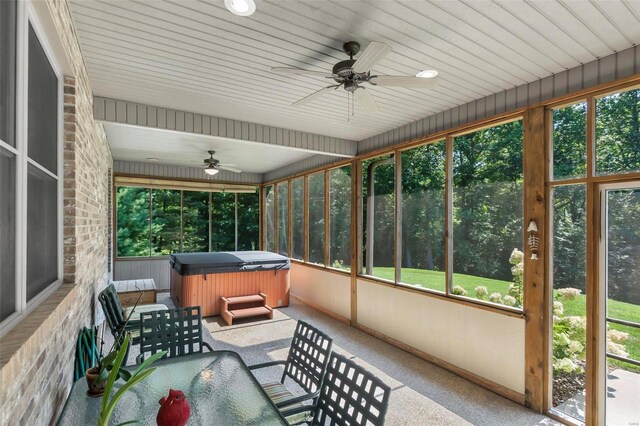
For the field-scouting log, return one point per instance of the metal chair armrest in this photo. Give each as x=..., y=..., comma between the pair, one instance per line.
x=297, y=410
x=266, y=364
x=208, y=346
x=295, y=400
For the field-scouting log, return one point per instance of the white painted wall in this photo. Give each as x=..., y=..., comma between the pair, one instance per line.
x=485, y=343
x=328, y=290
x=156, y=268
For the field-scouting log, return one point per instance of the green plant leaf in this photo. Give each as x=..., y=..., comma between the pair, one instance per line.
x=153, y=358
x=129, y=422
x=104, y=374
x=124, y=374
x=123, y=390
x=113, y=375
x=108, y=360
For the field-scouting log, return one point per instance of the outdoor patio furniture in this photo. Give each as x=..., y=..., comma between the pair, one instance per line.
x=218, y=385
x=306, y=365
x=349, y=395
x=177, y=331
x=129, y=291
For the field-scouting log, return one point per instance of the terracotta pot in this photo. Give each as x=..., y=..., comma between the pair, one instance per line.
x=96, y=389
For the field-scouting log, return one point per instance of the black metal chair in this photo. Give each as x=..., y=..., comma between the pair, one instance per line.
x=349, y=395
x=306, y=365
x=177, y=331
x=117, y=316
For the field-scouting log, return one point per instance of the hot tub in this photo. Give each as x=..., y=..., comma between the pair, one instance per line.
x=201, y=279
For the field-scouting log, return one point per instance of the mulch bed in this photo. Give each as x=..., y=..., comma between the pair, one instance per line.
x=566, y=385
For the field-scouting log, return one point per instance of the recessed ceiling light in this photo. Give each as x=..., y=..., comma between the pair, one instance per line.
x=241, y=7
x=427, y=74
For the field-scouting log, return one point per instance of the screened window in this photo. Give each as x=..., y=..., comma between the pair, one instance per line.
x=165, y=222
x=8, y=71
x=487, y=214
x=195, y=221
x=316, y=218
x=378, y=176
x=297, y=212
x=248, y=221
x=184, y=221
x=423, y=216
x=223, y=221
x=570, y=141
x=269, y=214
x=618, y=133
x=133, y=213
x=283, y=218
x=340, y=217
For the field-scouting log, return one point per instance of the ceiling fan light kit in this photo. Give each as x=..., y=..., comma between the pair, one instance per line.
x=213, y=166
x=351, y=73
x=241, y=7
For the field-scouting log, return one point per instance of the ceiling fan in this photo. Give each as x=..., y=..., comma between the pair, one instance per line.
x=351, y=73
x=213, y=166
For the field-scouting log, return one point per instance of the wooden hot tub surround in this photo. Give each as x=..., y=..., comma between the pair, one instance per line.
x=201, y=279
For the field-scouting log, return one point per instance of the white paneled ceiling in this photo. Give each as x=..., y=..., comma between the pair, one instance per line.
x=145, y=144
x=197, y=56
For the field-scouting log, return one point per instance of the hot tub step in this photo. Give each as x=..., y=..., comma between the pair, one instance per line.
x=260, y=308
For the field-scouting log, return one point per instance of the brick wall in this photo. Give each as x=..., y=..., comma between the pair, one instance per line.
x=36, y=357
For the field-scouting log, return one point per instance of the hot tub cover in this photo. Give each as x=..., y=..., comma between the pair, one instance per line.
x=227, y=261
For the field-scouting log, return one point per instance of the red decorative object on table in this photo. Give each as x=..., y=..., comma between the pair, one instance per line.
x=174, y=409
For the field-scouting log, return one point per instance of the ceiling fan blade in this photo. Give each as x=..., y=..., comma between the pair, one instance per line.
x=316, y=95
x=365, y=100
x=373, y=54
x=231, y=169
x=300, y=71
x=404, y=81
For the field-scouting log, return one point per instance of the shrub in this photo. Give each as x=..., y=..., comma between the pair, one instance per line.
x=568, y=293
x=509, y=300
x=481, y=292
x=495, y=297
x=517, y=271
x=558, y=308
x=617, y=336
x=458, y=290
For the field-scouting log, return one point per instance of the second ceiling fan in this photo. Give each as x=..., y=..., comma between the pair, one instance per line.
x=351, y=73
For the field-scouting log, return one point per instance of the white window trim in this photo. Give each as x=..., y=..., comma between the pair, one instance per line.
x=27, y=14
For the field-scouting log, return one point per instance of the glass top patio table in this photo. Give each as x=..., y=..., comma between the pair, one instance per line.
x=218, y=385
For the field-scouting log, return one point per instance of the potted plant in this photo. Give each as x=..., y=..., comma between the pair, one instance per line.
x=131, y=379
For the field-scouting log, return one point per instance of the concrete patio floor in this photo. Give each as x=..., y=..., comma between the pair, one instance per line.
x=422, y=394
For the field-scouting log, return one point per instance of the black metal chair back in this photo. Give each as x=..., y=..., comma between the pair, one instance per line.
x=308, y=357
x=350, y=395
x=177, y=331
x=112, y=308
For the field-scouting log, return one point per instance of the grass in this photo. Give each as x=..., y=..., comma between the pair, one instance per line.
x=434, y=280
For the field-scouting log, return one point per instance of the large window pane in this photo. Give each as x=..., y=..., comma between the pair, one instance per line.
x=7, y=71
x=248, y=221
x=42, y=231
x=379, y=216
x=487, y=214
x=133, y=221
x=7, y=233
x=570, y=141
x=283, y=218
x=269, y=215
x=195, y=217
x=297, y=210
x=43, y=107
x=618, y=133
x=340, y=217
x=423, y=216
x=165, y=222
x=223, y=221
x=569, y=298
x=316, y=218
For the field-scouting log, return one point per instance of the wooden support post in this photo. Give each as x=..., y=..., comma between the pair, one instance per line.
x=290, y=218
x=535, y=308
x=356, y=235
x=327, y=218
x=306, y=218
x=397, y=249
x=448, y=217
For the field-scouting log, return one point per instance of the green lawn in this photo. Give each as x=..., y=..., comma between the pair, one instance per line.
x=434, y=280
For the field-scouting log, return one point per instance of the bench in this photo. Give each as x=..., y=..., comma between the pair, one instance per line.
x=129, y=290
x=245, y=307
